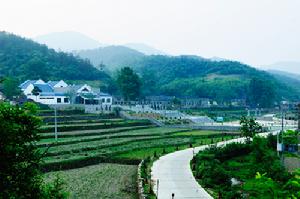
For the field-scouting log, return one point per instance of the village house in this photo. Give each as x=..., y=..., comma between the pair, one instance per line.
x=42, y=92
x=59, y=92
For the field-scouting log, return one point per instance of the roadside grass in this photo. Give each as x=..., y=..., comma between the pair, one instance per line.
x=99, y=181
x=159, y=151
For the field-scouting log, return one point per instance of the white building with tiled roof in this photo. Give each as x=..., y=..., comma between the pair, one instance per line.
x=45, y=93
x=59, y=92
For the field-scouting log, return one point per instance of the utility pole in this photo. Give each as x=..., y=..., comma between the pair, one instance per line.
x=157, y=184
x=280, y=145
x=55, y=123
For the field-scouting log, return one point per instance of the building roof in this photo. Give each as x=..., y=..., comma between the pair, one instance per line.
x=25, y=84
x=45, y=88
x=53, y=83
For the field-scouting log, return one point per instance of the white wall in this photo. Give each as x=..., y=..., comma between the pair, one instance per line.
x=48, y=99
x=28, y=90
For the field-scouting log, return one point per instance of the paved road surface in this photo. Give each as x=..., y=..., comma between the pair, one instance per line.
x=175, y=176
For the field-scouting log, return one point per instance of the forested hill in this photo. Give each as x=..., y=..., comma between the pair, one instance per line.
x=24, y=59
x=220, y=80
x=111, y=57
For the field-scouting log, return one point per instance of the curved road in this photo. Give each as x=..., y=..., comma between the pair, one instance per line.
x=174, y=175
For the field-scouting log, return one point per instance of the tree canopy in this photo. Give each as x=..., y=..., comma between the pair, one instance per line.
x=129, y=83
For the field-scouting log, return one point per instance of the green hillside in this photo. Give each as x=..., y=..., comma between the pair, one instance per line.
x=195, y=76
x=24, y=59
x=293, y=80
x=220, y=80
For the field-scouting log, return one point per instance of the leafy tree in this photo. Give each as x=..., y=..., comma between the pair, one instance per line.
x=176, y=103
x=249, y=128
x=261, y=93
x=129, y=83
x=10, y=88
x=36, y=91
x=20, y=158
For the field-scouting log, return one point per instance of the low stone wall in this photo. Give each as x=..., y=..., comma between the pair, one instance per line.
x=207, y=127
x=68, y=106
x=129, y=117
x=211, y=127
x=140, y=182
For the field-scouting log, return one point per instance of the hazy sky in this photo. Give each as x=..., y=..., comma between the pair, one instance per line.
x=256, y=32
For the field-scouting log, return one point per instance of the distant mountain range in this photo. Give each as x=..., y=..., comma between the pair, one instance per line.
x=293, y=80
x=68, y=41
x=145, y=49
x=192, y=76
x=74, y=41
x=71, y=41
x=287, y=74
x=288, y=66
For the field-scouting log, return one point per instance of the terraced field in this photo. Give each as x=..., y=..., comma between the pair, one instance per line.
x=87, y=139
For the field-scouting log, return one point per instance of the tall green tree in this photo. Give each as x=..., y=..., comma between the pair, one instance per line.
x=249, y=127
x=10, y=88
x=261, y=93
x=19, y=156
x=129, y=83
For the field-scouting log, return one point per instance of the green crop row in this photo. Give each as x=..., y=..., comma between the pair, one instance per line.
x=80, y=133
x=93, y=127
x=87, y=121
x=137, y=132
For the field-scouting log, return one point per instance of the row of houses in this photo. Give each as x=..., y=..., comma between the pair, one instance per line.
x=170, y=102
x=59, y=92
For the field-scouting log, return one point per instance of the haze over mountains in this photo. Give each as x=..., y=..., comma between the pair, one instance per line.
x=70, y=41
x=288, y=66
x=67, y=41
x=113, y=57
x=144, y=58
